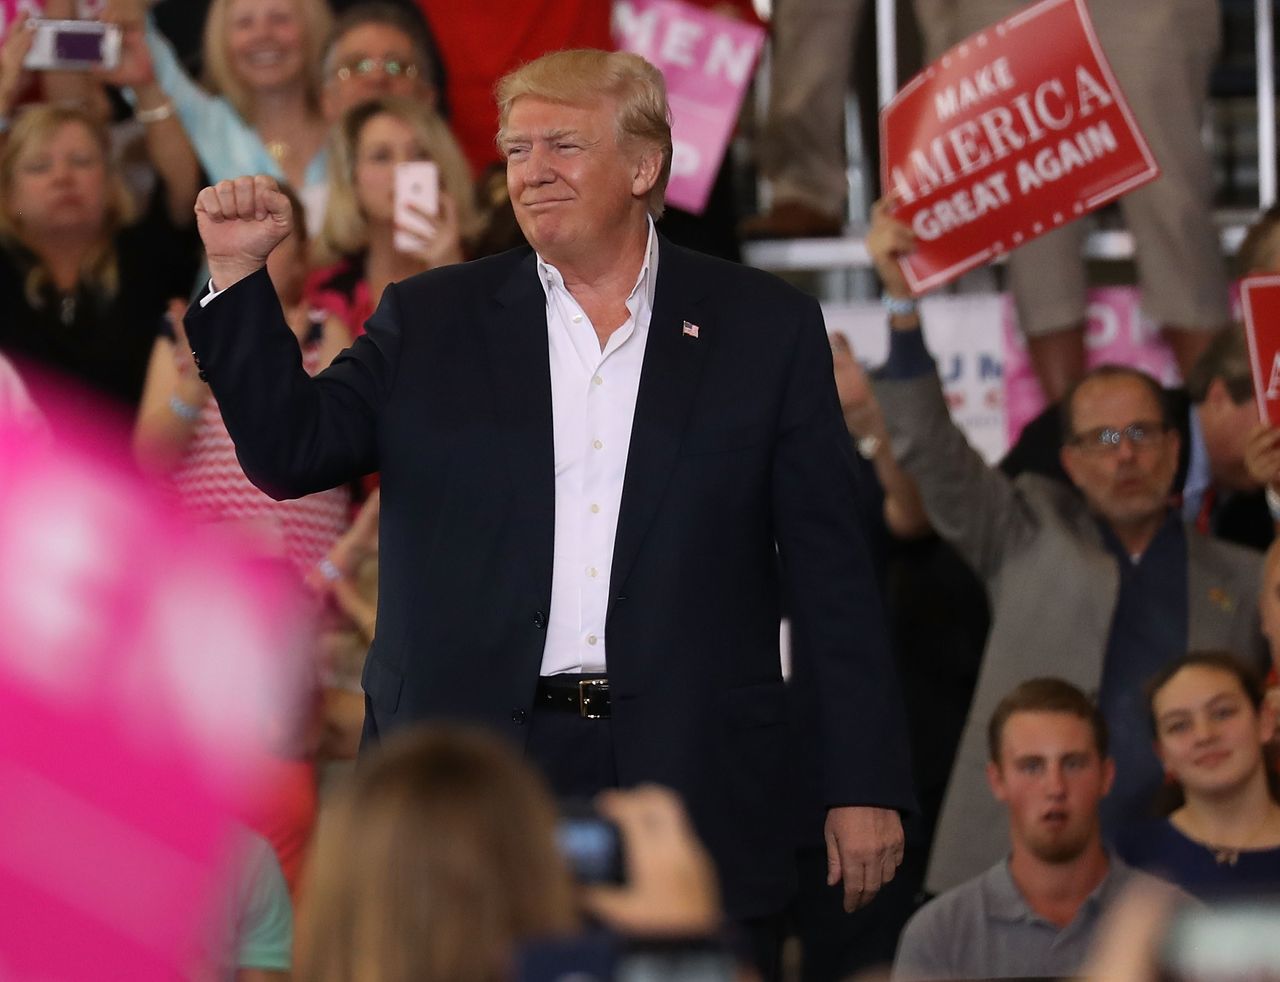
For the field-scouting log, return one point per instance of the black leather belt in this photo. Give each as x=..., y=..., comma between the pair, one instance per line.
x=588, y=696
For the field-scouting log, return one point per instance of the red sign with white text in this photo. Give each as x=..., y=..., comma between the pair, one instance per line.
x=1015, y=131
x=1260, y=296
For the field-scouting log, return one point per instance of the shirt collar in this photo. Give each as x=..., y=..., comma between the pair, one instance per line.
x=1199, y=476
x=646, y=281
x=1005, y=901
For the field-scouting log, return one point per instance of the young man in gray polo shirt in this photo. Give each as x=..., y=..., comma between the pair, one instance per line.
x=1034, y=913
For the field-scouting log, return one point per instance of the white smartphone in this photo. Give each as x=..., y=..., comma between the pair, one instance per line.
x=417, y=183
x=73, y=45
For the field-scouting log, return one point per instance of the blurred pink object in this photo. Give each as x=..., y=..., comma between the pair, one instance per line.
x=142, y=663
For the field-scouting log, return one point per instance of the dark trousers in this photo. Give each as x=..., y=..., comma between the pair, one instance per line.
x=575, y=756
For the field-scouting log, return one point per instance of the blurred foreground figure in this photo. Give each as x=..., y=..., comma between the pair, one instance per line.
x=139, y=664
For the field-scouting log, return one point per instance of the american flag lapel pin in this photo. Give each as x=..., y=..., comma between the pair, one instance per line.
x=690, y=329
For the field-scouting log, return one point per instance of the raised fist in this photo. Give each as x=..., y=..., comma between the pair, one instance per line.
x=240, y=222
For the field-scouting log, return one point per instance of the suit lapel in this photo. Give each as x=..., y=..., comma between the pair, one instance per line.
x=669, y=378
x=516, y=340
x=1212, y=594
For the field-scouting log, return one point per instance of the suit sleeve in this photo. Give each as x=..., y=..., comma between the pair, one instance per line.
x=972, y=505
x=294, y=435
x=838, y=623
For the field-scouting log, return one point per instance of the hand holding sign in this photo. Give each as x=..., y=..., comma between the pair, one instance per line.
x=888, y=242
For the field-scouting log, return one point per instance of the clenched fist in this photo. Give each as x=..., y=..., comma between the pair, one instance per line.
x=240, y=222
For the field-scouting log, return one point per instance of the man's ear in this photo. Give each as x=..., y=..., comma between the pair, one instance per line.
x=648, y=167
x=1067, y=456
x=1218, y=395
x=1108, y=775
x=995, y=780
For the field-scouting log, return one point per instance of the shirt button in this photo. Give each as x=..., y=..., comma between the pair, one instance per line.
x=595, y=509
x=592, y=639
x=597, y=444
x=591, y=572
x=518, y=716
x=598, y=380
x=577, y=318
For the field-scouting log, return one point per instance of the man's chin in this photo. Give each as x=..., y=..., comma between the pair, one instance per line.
x=1058, y=850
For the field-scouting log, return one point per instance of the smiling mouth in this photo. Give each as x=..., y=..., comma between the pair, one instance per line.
x=264, y=59
x=1211, y=759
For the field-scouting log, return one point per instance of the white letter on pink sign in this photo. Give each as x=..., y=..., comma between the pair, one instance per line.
x=734, y=60
x=677, y=46
x=637, y=29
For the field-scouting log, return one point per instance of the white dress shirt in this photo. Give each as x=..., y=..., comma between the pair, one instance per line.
x=593, y=401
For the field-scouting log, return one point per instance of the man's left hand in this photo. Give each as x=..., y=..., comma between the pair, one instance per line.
x=864, y=849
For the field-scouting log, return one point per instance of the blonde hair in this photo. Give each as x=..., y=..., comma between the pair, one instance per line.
x=346, y=229
x=100, y=271
x=582, y=77
x=434, y=861
x=219, y=77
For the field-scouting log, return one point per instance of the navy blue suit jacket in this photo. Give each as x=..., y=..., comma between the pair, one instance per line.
x=738, y=456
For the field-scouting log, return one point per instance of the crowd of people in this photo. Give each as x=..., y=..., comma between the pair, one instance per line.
x=612, y=466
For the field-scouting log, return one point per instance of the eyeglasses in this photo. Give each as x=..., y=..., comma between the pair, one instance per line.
x=366, y=66
x=1106, y=439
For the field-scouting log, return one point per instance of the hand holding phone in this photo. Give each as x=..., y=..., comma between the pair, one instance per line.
x=72, y=45
x=417, y=193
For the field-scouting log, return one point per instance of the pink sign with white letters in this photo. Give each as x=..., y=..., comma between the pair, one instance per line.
x=1116, y=330
x=707, y=60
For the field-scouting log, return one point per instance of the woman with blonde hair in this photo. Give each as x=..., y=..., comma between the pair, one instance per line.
x=259, y=111
x=433, y=863
x=359, y=235
x=83, y=281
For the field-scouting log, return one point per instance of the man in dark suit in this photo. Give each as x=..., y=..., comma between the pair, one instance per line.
x=594, y=454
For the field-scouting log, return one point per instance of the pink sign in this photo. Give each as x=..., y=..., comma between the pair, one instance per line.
x=708, y=61
x=1116, y=331
x=1013, y=132
x=9, y=9
x=140, y=663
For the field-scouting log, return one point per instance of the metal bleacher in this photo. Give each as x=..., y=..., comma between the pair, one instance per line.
x=844, y=259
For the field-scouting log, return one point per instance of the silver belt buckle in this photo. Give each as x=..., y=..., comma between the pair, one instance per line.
x=583, y=695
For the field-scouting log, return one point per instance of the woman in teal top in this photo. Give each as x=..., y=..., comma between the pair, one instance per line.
x=259, y=111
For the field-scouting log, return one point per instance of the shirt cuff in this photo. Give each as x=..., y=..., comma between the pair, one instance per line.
x=908, y=357
x=210, y=294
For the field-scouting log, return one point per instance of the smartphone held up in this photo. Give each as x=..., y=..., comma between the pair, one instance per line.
x=72, y=45
x=417, y=191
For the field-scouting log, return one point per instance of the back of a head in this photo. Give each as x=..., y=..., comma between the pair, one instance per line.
x=431, y=864
x=1259, y=252
x=1225, y=358
x=582, y=77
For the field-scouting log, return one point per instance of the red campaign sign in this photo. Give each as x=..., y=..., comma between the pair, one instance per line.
x=1260, y=296
x=1013, y=132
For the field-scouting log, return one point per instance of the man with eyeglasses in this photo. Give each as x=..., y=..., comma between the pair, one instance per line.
x=1214, y=414
x=1098, y=581
x=378, y=48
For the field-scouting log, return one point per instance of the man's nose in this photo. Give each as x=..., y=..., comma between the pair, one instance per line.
x=1055, y=782
x=537, y=168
